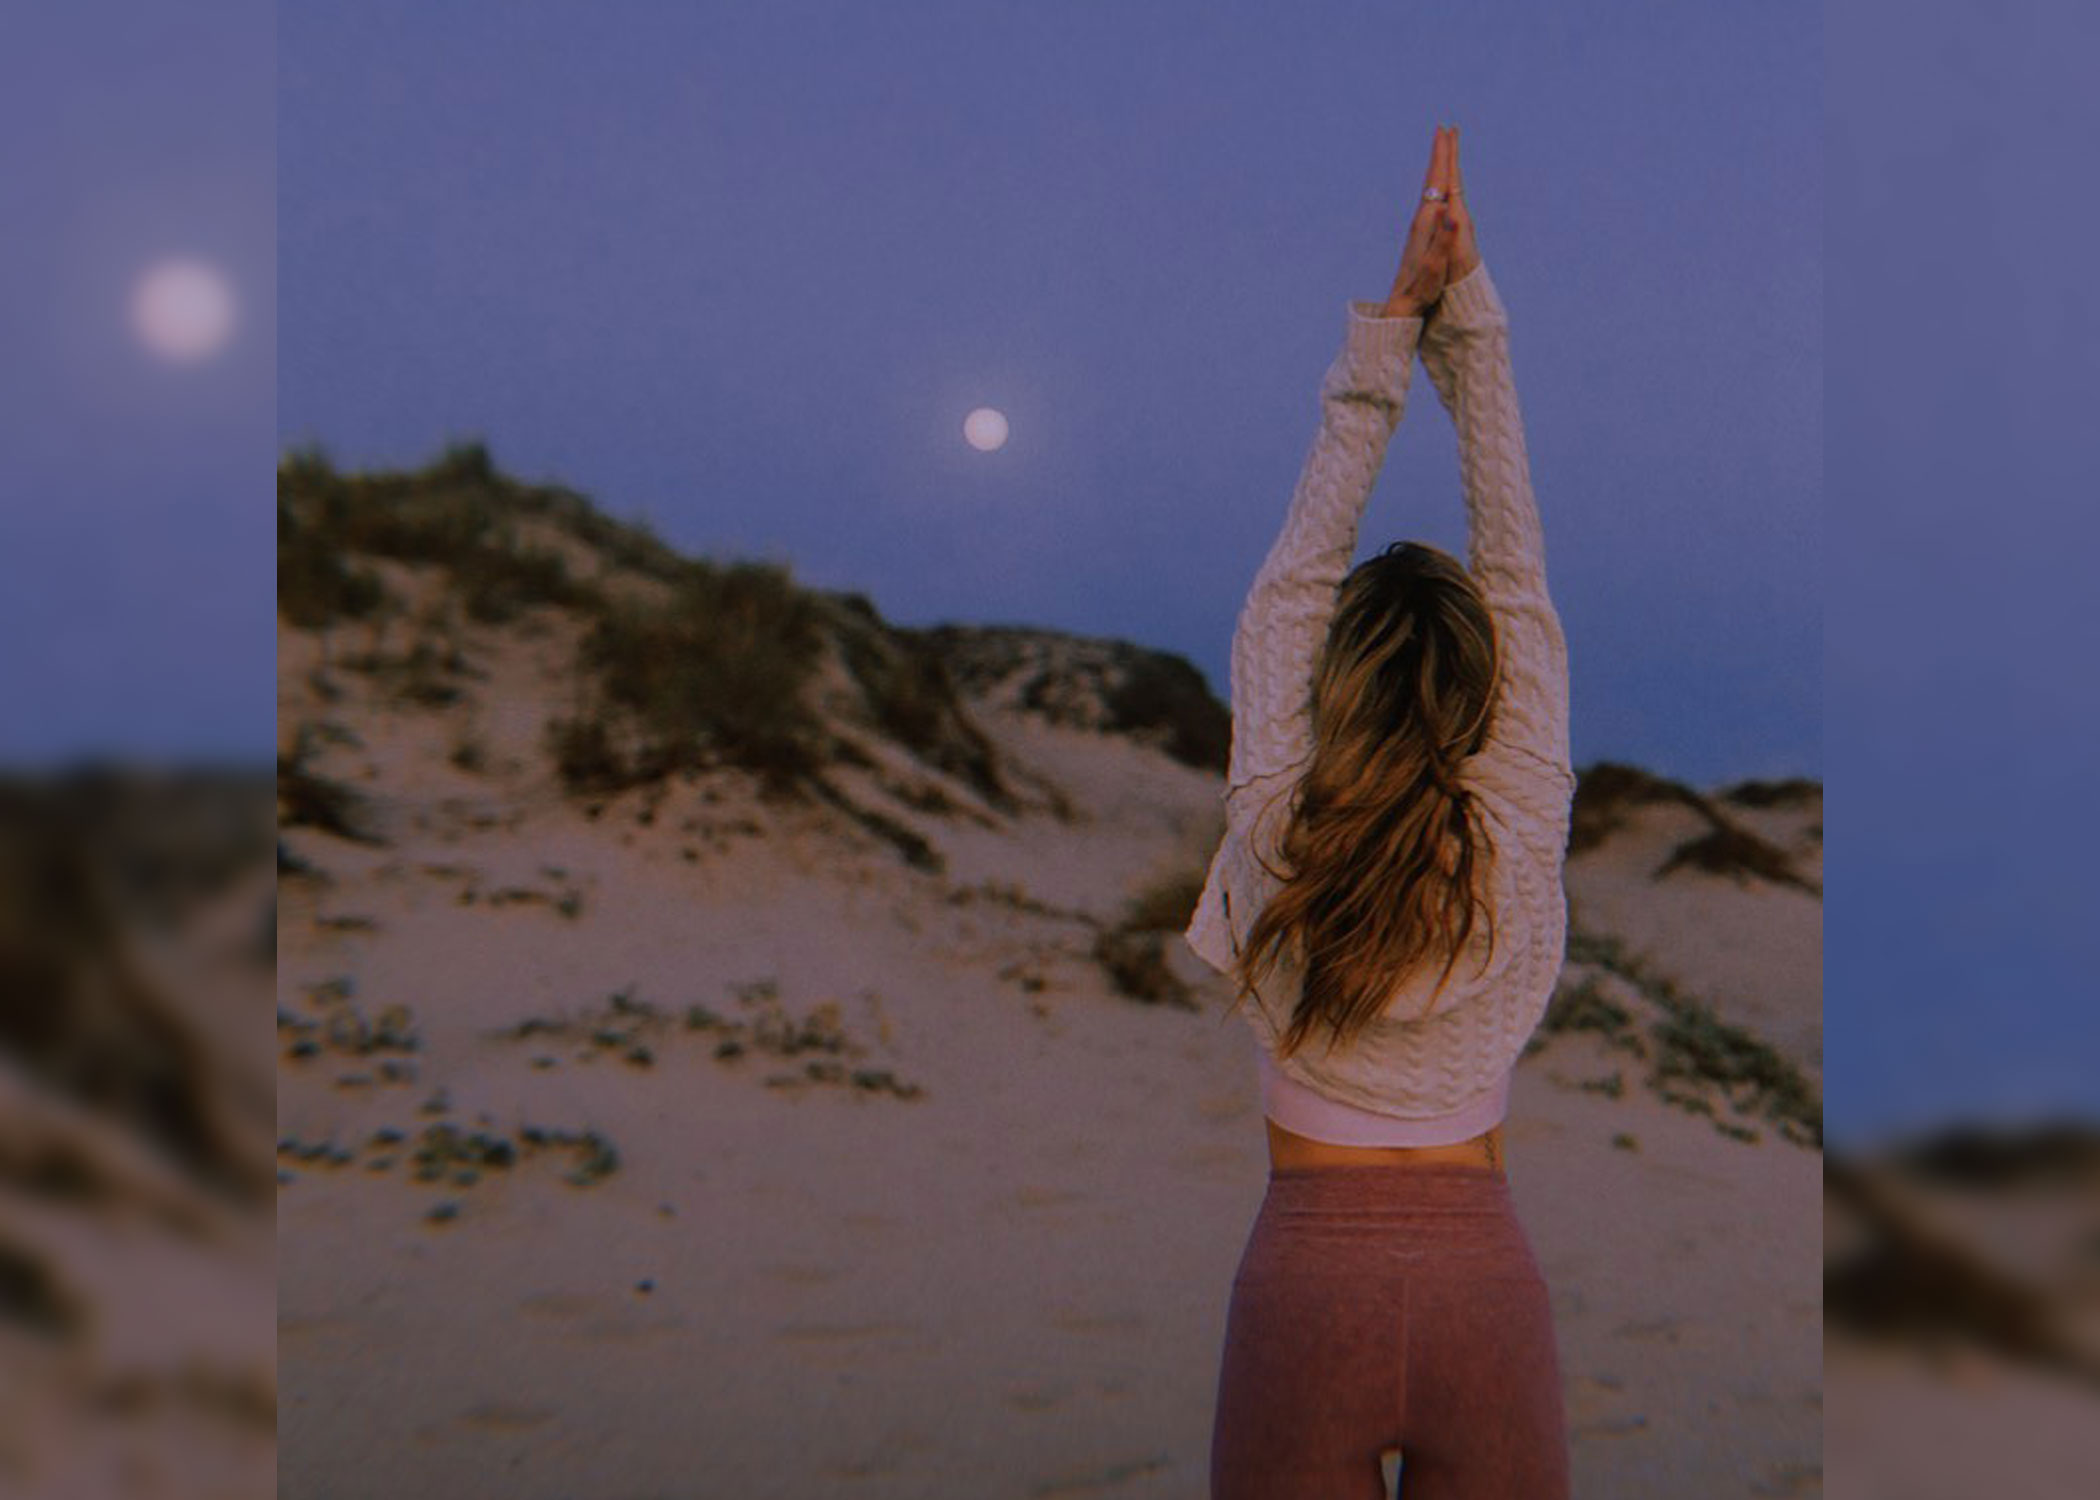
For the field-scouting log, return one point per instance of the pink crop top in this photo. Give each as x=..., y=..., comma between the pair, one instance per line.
x=1307, y=1112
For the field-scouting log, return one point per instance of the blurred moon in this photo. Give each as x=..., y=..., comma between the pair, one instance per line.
x=183, y=310
x=985, y=429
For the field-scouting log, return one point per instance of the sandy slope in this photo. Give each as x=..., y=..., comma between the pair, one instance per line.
x=1970, y=1423
x=1752, y=949
x=137, y=1345
x=1988, y=1293
x=1010, y=1283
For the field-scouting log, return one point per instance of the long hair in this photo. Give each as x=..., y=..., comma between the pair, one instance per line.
x=1382, y=843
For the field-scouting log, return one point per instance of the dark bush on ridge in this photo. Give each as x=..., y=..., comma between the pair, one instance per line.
x=718, y=670
x=1795, y=791
x=1606, y=789
x=458, y=514
x=315, y=586
x=912, y=696
x=498, y=583
x=1167, y=695
x=1168, y=904
x=585, y=756
x=1740, y=855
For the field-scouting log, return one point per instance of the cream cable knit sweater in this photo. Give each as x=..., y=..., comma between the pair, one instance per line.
x=1421, y=1068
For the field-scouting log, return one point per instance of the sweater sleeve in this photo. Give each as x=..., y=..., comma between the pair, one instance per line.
x=1465, y=349
x=1283, y=623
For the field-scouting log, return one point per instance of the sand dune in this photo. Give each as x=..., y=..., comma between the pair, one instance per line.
x=1964, y=1314
x=666, y=1131
x=137, y=1251
x=1009, y=1280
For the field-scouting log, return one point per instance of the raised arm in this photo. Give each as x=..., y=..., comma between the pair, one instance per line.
x=1465, y=349
x=1283, y=623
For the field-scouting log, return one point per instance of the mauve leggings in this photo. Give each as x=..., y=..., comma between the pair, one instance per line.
x=1380, y=1306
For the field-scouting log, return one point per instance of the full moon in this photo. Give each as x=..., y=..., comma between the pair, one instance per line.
x=985, y=429
x=182, y=310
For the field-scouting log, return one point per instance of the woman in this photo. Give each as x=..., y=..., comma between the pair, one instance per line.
x=1388, y=899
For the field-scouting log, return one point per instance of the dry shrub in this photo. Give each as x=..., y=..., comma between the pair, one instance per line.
x=500, y=582
x=586, y=756
x=1110, y=686
x=422, y=675
x=457, y=513
x=1912, y=1286
x=2065, y=1152
x=717, y=671
x=1740, y=855
x=1163, y=697
x=1693, y=1043
x=909, y=692
x=315, y=585
x=1137, y=965
x=1167, y=904
x=1795, y=791
x=1606, y=790
x=1585, y=1007
x=308, y=800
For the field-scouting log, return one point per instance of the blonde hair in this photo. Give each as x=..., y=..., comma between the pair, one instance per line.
x=1382, y=843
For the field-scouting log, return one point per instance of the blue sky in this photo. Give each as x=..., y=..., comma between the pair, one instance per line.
x=743, y=270
x=136, y=550
x=745, y=279
x=1964, y=604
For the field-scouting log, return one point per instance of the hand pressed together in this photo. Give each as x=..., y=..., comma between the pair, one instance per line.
x=1440, y=246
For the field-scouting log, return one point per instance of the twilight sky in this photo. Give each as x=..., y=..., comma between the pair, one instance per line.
x=748, y=281
x=1964, y=602
x=743, y=270
x=136, y=551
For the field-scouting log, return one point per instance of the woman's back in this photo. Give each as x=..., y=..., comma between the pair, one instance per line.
x=1435, y=1063
x=1388, y=1313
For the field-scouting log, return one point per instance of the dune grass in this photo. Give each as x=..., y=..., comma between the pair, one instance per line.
x=711, y=672
x=1689, y=1044
x=1740, y=855
x=715, y=674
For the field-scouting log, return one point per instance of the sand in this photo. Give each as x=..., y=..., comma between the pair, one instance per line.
x=1000, y=1267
